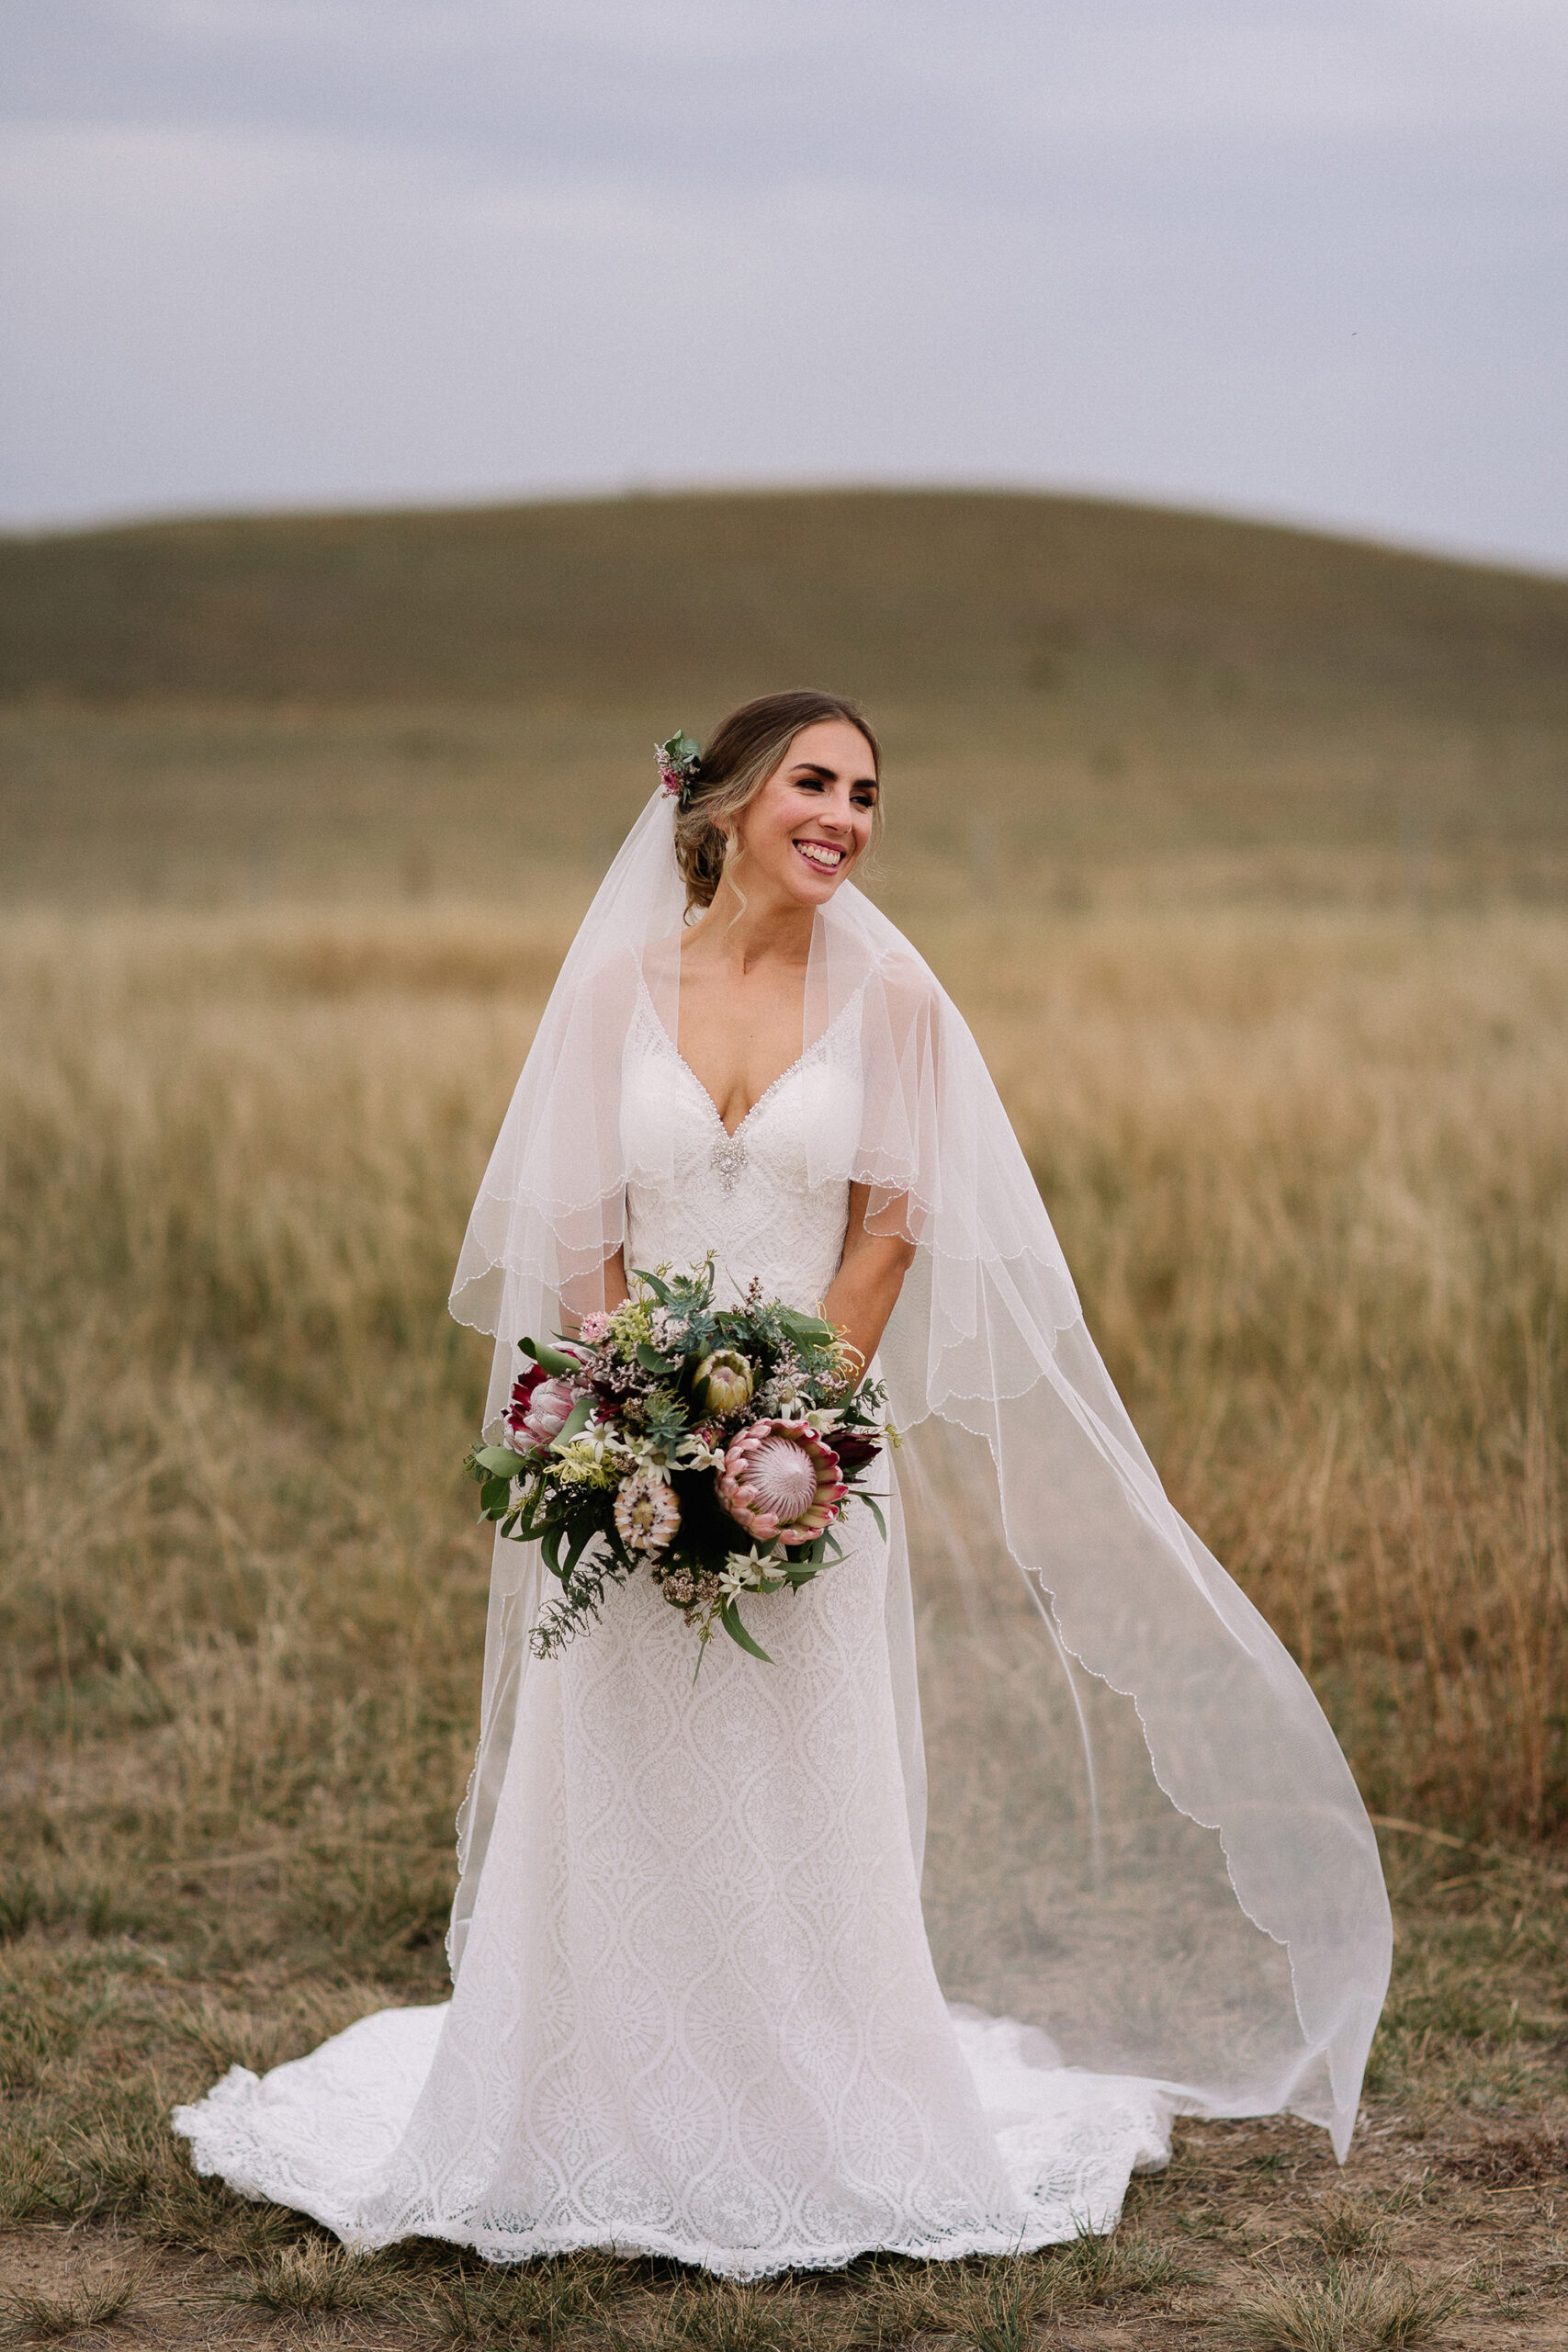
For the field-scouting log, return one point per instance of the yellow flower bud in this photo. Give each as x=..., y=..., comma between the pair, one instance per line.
x=723, y=1383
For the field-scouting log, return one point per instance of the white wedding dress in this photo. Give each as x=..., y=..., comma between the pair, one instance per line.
x=696, y=2013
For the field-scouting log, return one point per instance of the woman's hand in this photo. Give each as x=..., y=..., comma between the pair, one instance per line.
x=865, y=1291
x=870, y=1275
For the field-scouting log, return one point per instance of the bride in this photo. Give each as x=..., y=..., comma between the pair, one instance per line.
x=734, y=1981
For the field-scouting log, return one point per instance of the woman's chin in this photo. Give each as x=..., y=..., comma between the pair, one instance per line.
x=810, y=888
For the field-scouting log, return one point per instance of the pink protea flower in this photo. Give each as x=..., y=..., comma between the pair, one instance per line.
x=543, y=1413
x=780, y=1481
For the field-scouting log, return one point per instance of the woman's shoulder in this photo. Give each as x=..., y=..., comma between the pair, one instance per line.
x=892, y=966
x=902, y=1004
x=613, y=975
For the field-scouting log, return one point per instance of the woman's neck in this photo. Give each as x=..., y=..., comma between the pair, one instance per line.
x=772, y=931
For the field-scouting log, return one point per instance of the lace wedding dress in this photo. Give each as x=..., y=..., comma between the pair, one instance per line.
x=696, y=2013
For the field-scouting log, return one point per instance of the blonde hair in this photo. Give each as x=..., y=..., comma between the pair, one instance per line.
x=746, y=750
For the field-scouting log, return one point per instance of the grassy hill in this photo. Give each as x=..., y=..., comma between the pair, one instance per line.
x=898, y=593
x=1061, y=678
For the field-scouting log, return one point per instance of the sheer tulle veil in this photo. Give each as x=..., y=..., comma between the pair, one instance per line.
x=1138, y=1833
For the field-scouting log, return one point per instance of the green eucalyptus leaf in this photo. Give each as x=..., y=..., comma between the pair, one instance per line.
x=579, y=1542
x=809, y=1328
x=730, y=1618
x=538, y=1517
x=500, y=1461
x=549, y=1359
x=875, y=1510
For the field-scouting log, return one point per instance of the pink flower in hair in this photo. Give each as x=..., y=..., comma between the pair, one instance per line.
x=678, y=762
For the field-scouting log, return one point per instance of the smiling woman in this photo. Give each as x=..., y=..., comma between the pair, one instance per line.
x=784, y=805
x=745, y=793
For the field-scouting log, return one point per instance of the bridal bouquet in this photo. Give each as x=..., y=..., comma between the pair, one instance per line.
x=716, y=1446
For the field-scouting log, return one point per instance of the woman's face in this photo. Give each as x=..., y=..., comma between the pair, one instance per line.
x=811, y=821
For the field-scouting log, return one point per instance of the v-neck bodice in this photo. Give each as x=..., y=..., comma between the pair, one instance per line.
x=733, y=1133
x=749, y=1196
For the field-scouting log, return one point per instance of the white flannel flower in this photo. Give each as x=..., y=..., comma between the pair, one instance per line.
x=605, y=1445
x=744, y=1571
x=698, y=1456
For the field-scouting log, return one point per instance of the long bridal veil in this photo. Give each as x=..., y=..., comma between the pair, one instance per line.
x=1139, y=1835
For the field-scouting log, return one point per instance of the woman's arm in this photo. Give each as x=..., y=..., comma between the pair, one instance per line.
x=870, y=1275
x=617, y=1290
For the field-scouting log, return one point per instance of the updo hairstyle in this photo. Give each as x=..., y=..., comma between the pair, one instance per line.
x=744, y=753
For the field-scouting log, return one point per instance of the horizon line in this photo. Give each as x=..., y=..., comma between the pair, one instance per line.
x=637, y=490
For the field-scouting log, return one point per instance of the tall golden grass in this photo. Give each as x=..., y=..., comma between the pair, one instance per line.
x=1310, y=1167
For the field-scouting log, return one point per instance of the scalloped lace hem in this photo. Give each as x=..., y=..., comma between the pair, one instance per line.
x=329, y=2135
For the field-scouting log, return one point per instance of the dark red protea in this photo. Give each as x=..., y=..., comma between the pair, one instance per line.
x=855, y=1448
x=522, y=1397
x=549, y=1410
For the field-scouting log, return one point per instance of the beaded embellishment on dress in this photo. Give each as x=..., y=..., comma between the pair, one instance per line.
x=726, y=1159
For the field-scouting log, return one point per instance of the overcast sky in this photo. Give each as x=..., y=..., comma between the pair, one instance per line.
x=1304, y=258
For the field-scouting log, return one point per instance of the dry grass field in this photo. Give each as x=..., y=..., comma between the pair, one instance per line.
x=1274, y=979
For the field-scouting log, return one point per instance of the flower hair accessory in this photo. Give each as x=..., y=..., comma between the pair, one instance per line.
x=679, y=760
